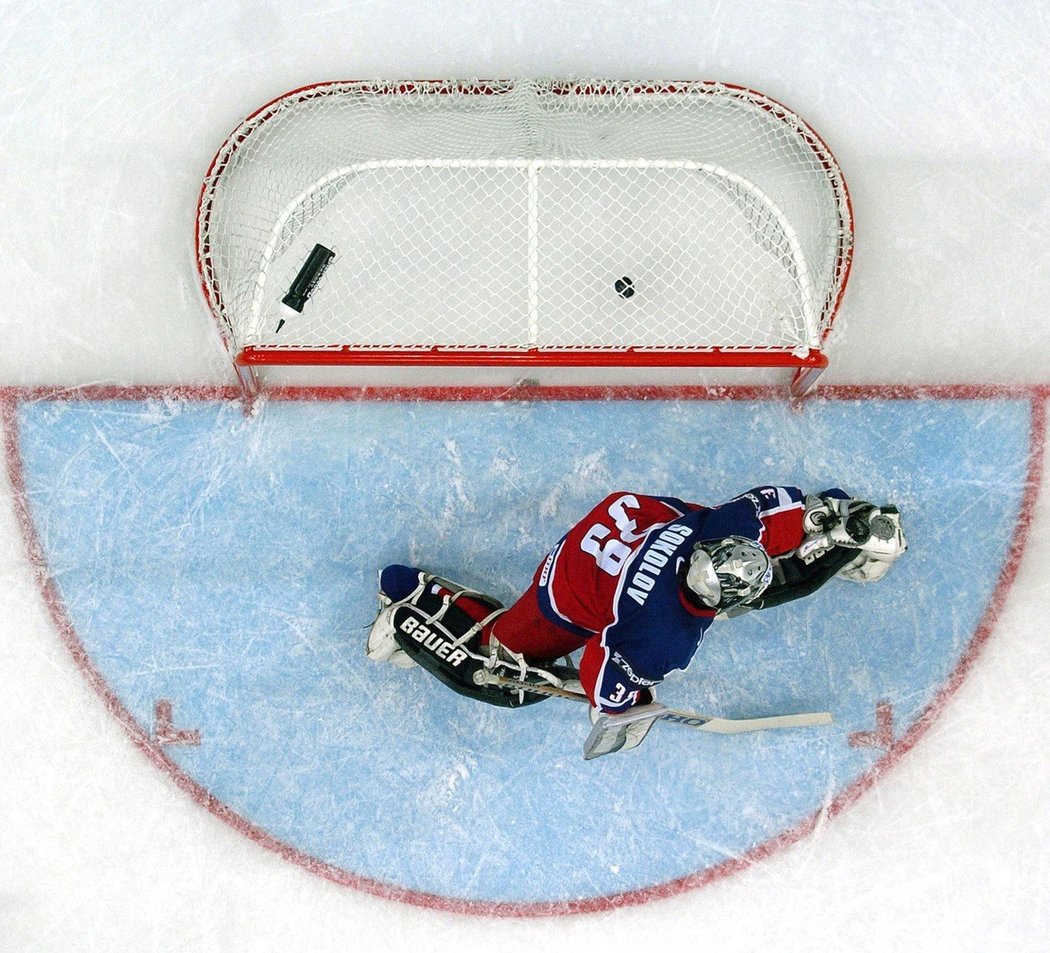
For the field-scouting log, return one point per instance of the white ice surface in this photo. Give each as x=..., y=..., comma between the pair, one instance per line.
x=109, y=113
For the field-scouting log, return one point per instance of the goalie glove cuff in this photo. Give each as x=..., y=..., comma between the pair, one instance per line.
x=840, y=522
x=819, y=516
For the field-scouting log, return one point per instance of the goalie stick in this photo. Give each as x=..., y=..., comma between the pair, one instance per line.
x=689, y=719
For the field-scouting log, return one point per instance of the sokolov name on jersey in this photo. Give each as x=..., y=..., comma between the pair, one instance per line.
x=654, y=560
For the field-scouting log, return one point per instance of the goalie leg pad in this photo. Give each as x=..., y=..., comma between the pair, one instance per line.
x=449, y=648
x=440, y=626
x=404, y=584
x=443, y=638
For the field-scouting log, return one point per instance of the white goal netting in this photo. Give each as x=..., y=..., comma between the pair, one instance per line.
x=529, y=216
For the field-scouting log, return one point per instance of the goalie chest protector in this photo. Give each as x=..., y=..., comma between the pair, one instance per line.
x=430, y=639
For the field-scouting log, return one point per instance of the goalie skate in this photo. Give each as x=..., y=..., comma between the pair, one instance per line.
x=382, y=646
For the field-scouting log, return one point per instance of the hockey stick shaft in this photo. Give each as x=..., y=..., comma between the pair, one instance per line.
x=689, y=719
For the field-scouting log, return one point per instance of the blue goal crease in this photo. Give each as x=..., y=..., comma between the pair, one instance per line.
x=228, y=565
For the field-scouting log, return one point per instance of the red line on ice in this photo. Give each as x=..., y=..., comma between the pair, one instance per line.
x=215, y=392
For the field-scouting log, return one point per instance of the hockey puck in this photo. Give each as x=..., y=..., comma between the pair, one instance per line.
x=624, y=287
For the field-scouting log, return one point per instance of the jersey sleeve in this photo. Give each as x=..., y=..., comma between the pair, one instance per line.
x=620, y=667
x=770, y=515
x=835, y=493
x=609, y=679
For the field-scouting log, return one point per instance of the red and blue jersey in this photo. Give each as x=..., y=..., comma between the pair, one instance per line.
x=613, y=580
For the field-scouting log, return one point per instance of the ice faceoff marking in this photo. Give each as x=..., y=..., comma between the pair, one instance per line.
x=655, y=560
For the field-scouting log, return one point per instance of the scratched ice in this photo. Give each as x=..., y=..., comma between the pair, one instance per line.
x=218, y=571
x=252, y=630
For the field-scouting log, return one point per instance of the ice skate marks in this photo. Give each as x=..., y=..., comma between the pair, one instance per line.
x=215, y=574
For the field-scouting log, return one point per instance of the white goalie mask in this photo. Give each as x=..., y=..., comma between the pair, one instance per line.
x=728, y=572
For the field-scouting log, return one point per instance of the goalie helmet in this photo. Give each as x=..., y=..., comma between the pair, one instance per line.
x=729, y=572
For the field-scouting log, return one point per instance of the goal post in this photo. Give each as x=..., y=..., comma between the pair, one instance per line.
x=525, y=223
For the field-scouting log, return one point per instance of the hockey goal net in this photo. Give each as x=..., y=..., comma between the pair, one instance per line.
x=525, y=222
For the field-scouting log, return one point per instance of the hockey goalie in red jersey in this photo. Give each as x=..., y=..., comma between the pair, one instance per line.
x=635, y=585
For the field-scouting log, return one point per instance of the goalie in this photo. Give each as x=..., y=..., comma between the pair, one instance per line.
x=635, y=584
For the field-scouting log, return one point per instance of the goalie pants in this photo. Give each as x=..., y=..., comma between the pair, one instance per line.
x=525, y=630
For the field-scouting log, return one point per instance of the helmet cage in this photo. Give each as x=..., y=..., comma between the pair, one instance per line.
x=728, y=572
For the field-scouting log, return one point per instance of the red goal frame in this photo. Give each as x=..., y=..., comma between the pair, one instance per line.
x=805, y=368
